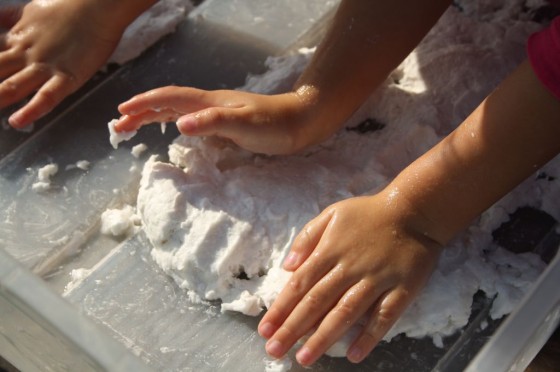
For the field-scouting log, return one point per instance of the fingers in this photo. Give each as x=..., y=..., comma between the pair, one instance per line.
x=128, y=123
x=308, y=310
x=11, y=61
x=295, y=297
x=21, y=85
x=384, y=315
x=46, y=98
x=180, y=99
x=220, y=121
x=353, y=304
x=306, y=241
x=170, y=103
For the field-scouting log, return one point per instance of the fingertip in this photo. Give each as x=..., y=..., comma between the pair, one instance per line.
x=125, y=124
x=355, y=354
x=187, y=124
x=305, y=356
x=17, y=120
x=275, y=348
x=127, y=107
x=266, y=329
x=291, y=262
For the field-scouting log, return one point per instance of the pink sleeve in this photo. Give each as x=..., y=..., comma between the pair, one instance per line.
x=543, y=48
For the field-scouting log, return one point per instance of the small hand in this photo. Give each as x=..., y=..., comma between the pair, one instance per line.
x=52, y=48
x=358, y=257
x=277, y=124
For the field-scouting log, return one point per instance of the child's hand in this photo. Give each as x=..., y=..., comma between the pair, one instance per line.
x=279, y=124
x=361, y=256
x=53, y=48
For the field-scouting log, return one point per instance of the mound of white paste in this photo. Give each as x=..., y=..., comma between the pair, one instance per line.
x=221, y=220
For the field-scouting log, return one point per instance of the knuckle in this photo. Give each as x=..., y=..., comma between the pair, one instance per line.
x=320, y=340
x=302, y=239
x=313, y=302
x=215, y=115
x=296, y=284
x=345, y=312
x=387, y=316
x=39, y=67
x=8, y=89
x=220, y=115
x=47, y=97
x=287, y=332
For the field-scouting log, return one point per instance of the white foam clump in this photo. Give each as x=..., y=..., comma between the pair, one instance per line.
x=221, y=219
x=44, y=177
x=83, y=164
x=277, y=365
x=76, y=277
x=80, y=164
x=137, y=150
x=159, y=20
x=119, y=222
x=117, y=137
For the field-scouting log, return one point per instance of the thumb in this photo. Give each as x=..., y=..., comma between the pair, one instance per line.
x=220, y=121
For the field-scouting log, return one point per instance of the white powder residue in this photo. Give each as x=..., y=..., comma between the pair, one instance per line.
x=138, y=150
x=277, y=365
x=283, y=71
x=27, y=129
x=44, y=177
x=119, y=222
x=117, y=137
x=161, y=19
x=83, y=164
x=80, y=164
x=221, y=219
x=77, y=276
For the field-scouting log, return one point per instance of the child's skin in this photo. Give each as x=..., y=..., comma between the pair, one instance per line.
x=54, y=46
x=361, y=256
x=369, y=255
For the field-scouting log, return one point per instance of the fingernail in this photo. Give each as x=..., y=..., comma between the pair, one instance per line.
x=304, y=356
x=291, y=260
x=266, y=330
x=15, y=120
x=186, y=123
x=274, y=348
x=355, y=354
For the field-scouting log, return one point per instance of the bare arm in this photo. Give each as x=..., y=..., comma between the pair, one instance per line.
x=507, y=138
x=392, y=251
x=366, y=41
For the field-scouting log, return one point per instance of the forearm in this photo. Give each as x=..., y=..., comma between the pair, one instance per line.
x=116, y=15
x=366, y=41
x=507, y=138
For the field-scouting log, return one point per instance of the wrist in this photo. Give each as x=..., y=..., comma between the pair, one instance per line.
x=410, y=212
x=316, y=120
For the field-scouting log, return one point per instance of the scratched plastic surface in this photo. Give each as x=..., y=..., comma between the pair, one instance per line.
x=133, y=301
x=144, y=309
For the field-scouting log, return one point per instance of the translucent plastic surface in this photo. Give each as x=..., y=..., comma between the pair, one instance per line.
x=128, y=297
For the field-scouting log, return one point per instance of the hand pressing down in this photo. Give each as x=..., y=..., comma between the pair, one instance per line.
x=276, y=124
x=51, y=48
x=361, y=256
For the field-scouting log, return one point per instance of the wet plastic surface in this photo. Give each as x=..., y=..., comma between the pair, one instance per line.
x=54, y=232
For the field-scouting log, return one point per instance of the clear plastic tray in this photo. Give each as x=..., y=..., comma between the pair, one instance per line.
x=126, y=298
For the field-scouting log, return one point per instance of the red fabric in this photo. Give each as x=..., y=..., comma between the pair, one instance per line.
x=543, y=48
